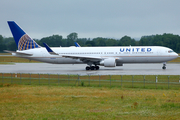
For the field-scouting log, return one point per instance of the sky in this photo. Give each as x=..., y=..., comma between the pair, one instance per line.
x=91, y=18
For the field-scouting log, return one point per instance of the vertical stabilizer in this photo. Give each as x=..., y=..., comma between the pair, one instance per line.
x=23, y=41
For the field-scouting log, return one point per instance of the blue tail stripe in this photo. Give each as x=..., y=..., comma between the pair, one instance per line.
x=16, y=31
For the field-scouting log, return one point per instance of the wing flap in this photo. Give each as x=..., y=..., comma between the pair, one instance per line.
x=84, y=58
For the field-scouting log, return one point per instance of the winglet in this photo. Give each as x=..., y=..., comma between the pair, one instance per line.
x=77, y=45
x=49, y=49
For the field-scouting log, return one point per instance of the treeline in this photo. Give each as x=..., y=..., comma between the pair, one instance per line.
x=167, y=40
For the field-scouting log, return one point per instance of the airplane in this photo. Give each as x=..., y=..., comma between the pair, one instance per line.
x=92, y=56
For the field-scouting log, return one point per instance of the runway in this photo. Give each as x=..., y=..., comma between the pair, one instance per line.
x=127, y=69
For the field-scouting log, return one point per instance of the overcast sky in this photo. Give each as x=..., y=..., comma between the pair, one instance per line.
x=91, y=18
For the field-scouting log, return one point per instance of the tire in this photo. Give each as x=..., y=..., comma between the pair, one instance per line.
x=92, y=67
x=87, y=68
x=97, y=67
x=163, y=67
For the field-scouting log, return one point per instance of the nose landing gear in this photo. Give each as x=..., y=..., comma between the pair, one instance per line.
x=164, y=66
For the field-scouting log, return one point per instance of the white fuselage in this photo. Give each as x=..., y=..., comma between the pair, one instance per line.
x=126, y=54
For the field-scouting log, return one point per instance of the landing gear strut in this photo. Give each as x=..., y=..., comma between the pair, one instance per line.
x=164, y=66
x=92, y=68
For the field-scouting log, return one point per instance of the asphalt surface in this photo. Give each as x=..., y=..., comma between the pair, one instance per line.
x=127, y=69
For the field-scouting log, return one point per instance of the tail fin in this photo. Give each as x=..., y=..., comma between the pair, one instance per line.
x=23, y=41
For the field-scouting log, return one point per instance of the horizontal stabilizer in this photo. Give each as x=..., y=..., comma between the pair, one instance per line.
x=49, y=49
x=18, y=53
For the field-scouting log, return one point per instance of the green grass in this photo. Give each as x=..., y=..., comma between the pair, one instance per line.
x=5, y=53
x=55, y=102
x=7, y=63
x=43, y=96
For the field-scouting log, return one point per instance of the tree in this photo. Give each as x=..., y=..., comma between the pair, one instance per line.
x=126, y=41
x=12, y=46
x=111, y=42
x=90, y=43
x=167, y=40
x=1, y=38
x=2, y=46
x=52, y=41
x=81, y=41
x=100, y=41
x=73, y=36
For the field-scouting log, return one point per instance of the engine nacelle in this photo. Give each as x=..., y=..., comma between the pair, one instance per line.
x=109, y=62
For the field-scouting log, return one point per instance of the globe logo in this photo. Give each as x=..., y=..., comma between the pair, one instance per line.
x=26, y=43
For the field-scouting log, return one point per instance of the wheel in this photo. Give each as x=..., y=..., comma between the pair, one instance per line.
x=97, y=67
x=92, y=67
x=87, y=68
x=163, y=67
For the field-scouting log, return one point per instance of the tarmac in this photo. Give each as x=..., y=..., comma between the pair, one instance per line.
x=126, y=69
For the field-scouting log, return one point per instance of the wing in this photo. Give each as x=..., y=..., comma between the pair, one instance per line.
x=84, y=59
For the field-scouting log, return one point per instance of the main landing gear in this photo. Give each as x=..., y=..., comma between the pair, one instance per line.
x=92, y=68
x=164, y=66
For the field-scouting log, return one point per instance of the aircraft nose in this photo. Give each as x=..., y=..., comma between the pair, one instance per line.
x=176, y=55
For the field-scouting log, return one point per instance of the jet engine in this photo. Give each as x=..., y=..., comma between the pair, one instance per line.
x=109, y=62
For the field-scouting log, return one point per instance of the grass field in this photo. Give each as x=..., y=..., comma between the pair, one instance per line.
x=54, y=102
x=43, y=96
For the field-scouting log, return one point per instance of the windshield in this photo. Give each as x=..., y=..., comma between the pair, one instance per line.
x=170, y=51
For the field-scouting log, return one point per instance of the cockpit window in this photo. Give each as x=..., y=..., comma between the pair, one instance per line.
x=170, y=51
